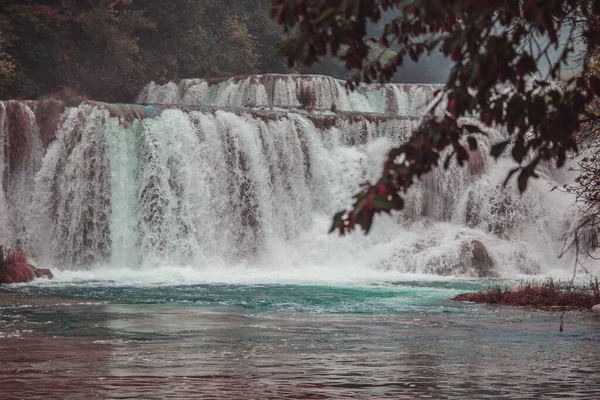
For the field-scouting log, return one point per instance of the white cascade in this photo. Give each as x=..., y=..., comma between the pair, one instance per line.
x=312, y=92
x=211, y=188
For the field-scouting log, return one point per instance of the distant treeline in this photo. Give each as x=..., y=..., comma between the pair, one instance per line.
x=108, y=49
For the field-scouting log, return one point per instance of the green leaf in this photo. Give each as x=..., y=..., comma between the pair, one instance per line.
x=498, y=148
x=527, y=64
x=472, y=129
x=366, y=223
x=447, y=160
x=510, y=174
x=595, y=83
x=531, y=167
x=381, y=203
x=519, y=150
x=523, y=179
x=472, y=143
x=326, y=14
x=337, y=221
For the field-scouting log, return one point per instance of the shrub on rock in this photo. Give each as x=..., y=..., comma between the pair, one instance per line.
x=548, y=295
x=14, y=268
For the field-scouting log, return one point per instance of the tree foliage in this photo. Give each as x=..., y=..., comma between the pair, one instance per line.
x=507, y=54
x=108, y=49
x=88, y=46
x=197, y=39
x=6, y=66
x=587, y=185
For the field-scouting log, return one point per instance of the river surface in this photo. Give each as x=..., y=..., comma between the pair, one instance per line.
x=102, y=339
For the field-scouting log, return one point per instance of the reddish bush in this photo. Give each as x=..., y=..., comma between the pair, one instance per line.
x=17, y=257
x=546, y=295
x=14, y=269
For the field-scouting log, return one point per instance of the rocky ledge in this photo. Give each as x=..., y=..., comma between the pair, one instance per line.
x=14, y=268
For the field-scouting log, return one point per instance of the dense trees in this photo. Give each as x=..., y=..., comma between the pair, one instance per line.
x=82, y=46
x=508, y=57
x=108, y=49
x=197, y=39
x=6, y=65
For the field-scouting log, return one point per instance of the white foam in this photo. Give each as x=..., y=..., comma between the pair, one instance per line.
x=232, y=197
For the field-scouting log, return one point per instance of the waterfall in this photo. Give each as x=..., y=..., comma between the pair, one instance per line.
x=320, y=93
x=242, y=173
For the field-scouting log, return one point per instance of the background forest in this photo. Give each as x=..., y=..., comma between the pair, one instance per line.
x=108, y=49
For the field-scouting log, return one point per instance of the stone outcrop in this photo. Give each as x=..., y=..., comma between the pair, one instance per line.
x=472, y=259
x=41, y=272
x=477, y=258
x=14, y=268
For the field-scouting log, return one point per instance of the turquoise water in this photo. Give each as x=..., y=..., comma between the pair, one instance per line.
x=102, y=339
x=380, y=298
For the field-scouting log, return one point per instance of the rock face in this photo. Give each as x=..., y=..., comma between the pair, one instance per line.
x=477, y=259
x=472, y=259
x=41, y=272
x=15, y=269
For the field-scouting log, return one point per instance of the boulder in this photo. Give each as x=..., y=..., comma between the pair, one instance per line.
x=477, y=259
x=42, y=272
x=596, y=308
x=472, y=259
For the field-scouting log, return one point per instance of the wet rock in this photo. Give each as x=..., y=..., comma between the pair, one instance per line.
x=477, y=260
x=472, y=259
x=42, y=272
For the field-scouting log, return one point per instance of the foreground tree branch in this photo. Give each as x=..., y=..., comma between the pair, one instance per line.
x=497, y=47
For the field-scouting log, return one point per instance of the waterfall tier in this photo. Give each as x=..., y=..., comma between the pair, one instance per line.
x=293, y=91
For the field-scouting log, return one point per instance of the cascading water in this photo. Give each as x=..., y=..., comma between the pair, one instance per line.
x=220, y=187
x=320, y=93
